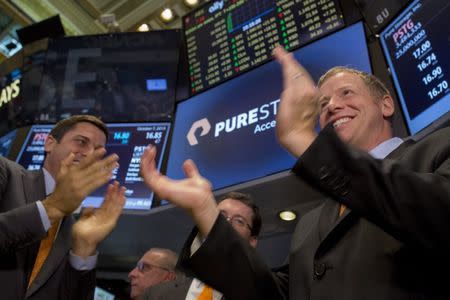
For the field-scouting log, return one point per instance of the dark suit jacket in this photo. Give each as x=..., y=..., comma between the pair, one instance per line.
x=21, y=230
x=175, y=289
x=393, y=244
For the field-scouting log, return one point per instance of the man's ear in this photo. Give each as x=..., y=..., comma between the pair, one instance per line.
x=50, y=143
x=170, y=276
x=253, y=241
x=387, y=106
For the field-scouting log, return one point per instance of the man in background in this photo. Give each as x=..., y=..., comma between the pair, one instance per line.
x=243, y=215
x=44, y=253
x=156, y=266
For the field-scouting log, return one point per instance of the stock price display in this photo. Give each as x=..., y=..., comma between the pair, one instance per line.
x=129, y=140
x=227, y=37
x=32, y=154
x=418, y=53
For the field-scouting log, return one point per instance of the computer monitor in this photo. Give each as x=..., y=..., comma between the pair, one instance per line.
x=6, y=142
x=226, y=38
x=10, y=96
x=120, y=77
x=229, y=130
x=101, y=294
x=128, y=140
x=417, y=52
x=32, y=153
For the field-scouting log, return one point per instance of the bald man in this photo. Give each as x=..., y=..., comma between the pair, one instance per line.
x=156, y=266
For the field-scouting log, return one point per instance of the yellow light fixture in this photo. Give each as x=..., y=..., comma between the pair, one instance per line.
x=167, y=15
x=287, y=215
x=143, y=27
x=191, y=3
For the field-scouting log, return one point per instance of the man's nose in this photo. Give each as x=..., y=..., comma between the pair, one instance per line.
x=132, y=273
x=334, y=104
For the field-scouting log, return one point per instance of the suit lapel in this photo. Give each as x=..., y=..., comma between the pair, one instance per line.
x=57, y=254
x=33, y=186
x=183, y=286
x=328, y=218
x=332, y=227
x=401, y=150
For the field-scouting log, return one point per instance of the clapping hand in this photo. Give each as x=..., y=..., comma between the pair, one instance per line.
x=95, y=224
x=75, y=182
x=194, y=193
x=299, y=107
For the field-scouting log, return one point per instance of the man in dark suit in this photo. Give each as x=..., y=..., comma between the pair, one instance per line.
x=43, y=253
x=382, y=230
x=244, y=217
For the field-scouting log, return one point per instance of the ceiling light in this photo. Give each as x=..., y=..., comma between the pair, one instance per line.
x=191, y=3
x=287, y=215
x=167, y=15
x=144, y=27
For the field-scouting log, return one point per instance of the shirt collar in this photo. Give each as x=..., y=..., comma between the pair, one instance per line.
x=49, y=182
x=386, y=147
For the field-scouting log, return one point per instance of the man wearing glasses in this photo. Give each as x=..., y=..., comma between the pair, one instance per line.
x=244, y=216
x=156, y=266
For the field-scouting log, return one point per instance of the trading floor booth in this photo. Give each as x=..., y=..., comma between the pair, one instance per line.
x=210, y=92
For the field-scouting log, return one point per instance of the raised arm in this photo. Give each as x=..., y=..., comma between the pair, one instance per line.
x=193, y=193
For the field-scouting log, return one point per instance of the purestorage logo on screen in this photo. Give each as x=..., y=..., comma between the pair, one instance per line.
x=263, y=117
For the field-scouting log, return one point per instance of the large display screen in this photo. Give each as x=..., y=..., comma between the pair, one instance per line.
x=10, y=95
x=417, y=50
x=6, y=142
x=227, y=37
x=229, y=130
x=32, y=154
x=129, y=141
x=121, y=77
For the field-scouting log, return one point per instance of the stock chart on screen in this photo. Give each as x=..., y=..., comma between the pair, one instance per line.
x=228, y=37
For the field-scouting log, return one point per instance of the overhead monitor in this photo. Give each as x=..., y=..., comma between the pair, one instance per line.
x=6, y=141
x=225, y=38
x=120, y=77
x=129, y=141
x=10, y=95
x=102, y=294
x=417, y=50
x=32, y=153
x=229, y=130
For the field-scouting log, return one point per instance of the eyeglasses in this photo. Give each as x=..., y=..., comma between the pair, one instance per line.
x=237, y=221
x=145, y=267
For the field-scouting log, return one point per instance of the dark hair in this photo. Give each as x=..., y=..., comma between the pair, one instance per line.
x=247, y=200
x=63, y=126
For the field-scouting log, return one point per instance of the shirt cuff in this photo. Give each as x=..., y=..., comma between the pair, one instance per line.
x=83, y=264
x=197, y=243
x=43, y=214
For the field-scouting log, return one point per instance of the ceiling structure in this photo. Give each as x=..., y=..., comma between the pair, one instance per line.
x=84, y=17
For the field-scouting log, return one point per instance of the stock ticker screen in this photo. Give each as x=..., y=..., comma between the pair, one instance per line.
x=6, y=142
x=229, y=130
x=128, y=140
x=32, y=154
x=417, y=47
x=227, y=37
x=120, y=77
